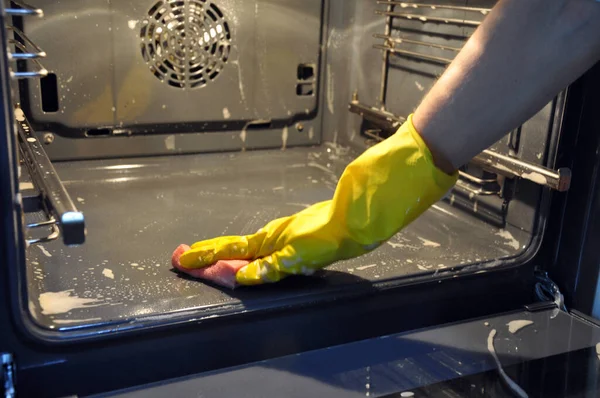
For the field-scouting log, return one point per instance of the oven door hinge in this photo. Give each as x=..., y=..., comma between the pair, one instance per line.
x=546, y=290
x=9, y=374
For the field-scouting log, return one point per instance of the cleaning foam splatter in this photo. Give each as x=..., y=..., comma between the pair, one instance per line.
x=429, y=243
x=511, y=384
x=515, y=326
x=60, y=302
x=108, y=273
x=46, y=252
x=510, y=240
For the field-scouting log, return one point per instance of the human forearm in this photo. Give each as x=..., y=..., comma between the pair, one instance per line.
x=524, y=53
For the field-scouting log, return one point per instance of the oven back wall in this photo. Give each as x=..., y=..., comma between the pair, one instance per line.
x=148, y=65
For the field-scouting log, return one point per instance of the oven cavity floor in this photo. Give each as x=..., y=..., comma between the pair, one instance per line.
x=139, y=210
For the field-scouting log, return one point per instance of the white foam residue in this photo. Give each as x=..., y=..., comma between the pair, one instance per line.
x=19, y=115
x=240, y=82
x=46, y=252
x=511, y=241
x=80, y=200
x=407, y=394
x=535, y=177
x=419, y=86
x=60, y=302
x=284, y=138
x=226, y=113
x=364, y=267
x=515, y=326
x=395, y=245
x=513, y=386
x=170, y=143
x=132, y=23
x=108, y=273
x=311, y=133
x=25, y=185
x=429, y=243
x=330, y=90
x=244, y=134
x=69, y=321
x=422, y=267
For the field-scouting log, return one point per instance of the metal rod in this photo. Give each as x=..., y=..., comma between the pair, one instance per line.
x=559, y=180
x=51, y=221
x=41, y=72
x=426, y=18
x=53, y=236
x=24, y=9
x=412, y=54
x=385, y=61
x=55, y=197
x=474, y=179
x=400, y=40
x=38, y=51
x=402, y=4
x=475, y=192
x=385, y=119
x=24, y=54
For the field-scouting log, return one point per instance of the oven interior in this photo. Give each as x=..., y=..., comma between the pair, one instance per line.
x=150, y=123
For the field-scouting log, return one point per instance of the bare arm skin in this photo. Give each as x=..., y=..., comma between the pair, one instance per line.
x=523, y=54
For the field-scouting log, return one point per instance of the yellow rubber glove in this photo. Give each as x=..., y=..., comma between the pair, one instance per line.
x=379, y=193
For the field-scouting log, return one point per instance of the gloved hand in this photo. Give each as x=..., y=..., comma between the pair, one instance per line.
x=379, y=193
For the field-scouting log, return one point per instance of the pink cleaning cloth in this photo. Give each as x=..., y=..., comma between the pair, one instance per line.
x=221, y=273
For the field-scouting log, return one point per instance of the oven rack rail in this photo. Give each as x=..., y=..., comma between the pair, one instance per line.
x=507, y=166
x=51, y=197
x=21, y=47
x=492, y=161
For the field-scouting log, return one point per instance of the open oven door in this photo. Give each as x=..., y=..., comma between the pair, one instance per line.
x=540, y=351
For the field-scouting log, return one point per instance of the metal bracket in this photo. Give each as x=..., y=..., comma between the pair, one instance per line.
x=8, y=374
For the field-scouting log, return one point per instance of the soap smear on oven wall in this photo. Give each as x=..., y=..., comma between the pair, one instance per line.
x=46, y=252
x=226, y=113
x=61, y=302
x=510, y=240
x=170, y=143
x=284, y=138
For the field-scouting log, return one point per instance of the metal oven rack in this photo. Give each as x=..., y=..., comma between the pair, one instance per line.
x=45, y=202
x=484, y=182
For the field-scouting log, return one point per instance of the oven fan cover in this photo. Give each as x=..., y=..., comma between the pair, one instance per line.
x=185, y=43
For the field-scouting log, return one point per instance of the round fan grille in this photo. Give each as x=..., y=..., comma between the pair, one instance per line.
x=185, y=43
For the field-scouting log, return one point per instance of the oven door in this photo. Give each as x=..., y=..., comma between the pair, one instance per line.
x=536, y=352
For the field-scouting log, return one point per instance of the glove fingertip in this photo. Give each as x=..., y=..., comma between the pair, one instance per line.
x=177, y=254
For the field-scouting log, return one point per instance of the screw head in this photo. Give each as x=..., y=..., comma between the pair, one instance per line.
x=48, y=138
x=299, y=126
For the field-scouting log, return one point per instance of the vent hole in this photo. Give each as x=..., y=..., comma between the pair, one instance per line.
x=49, y=88
x=306, y=72
x=305, y=89
x=98, y=133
